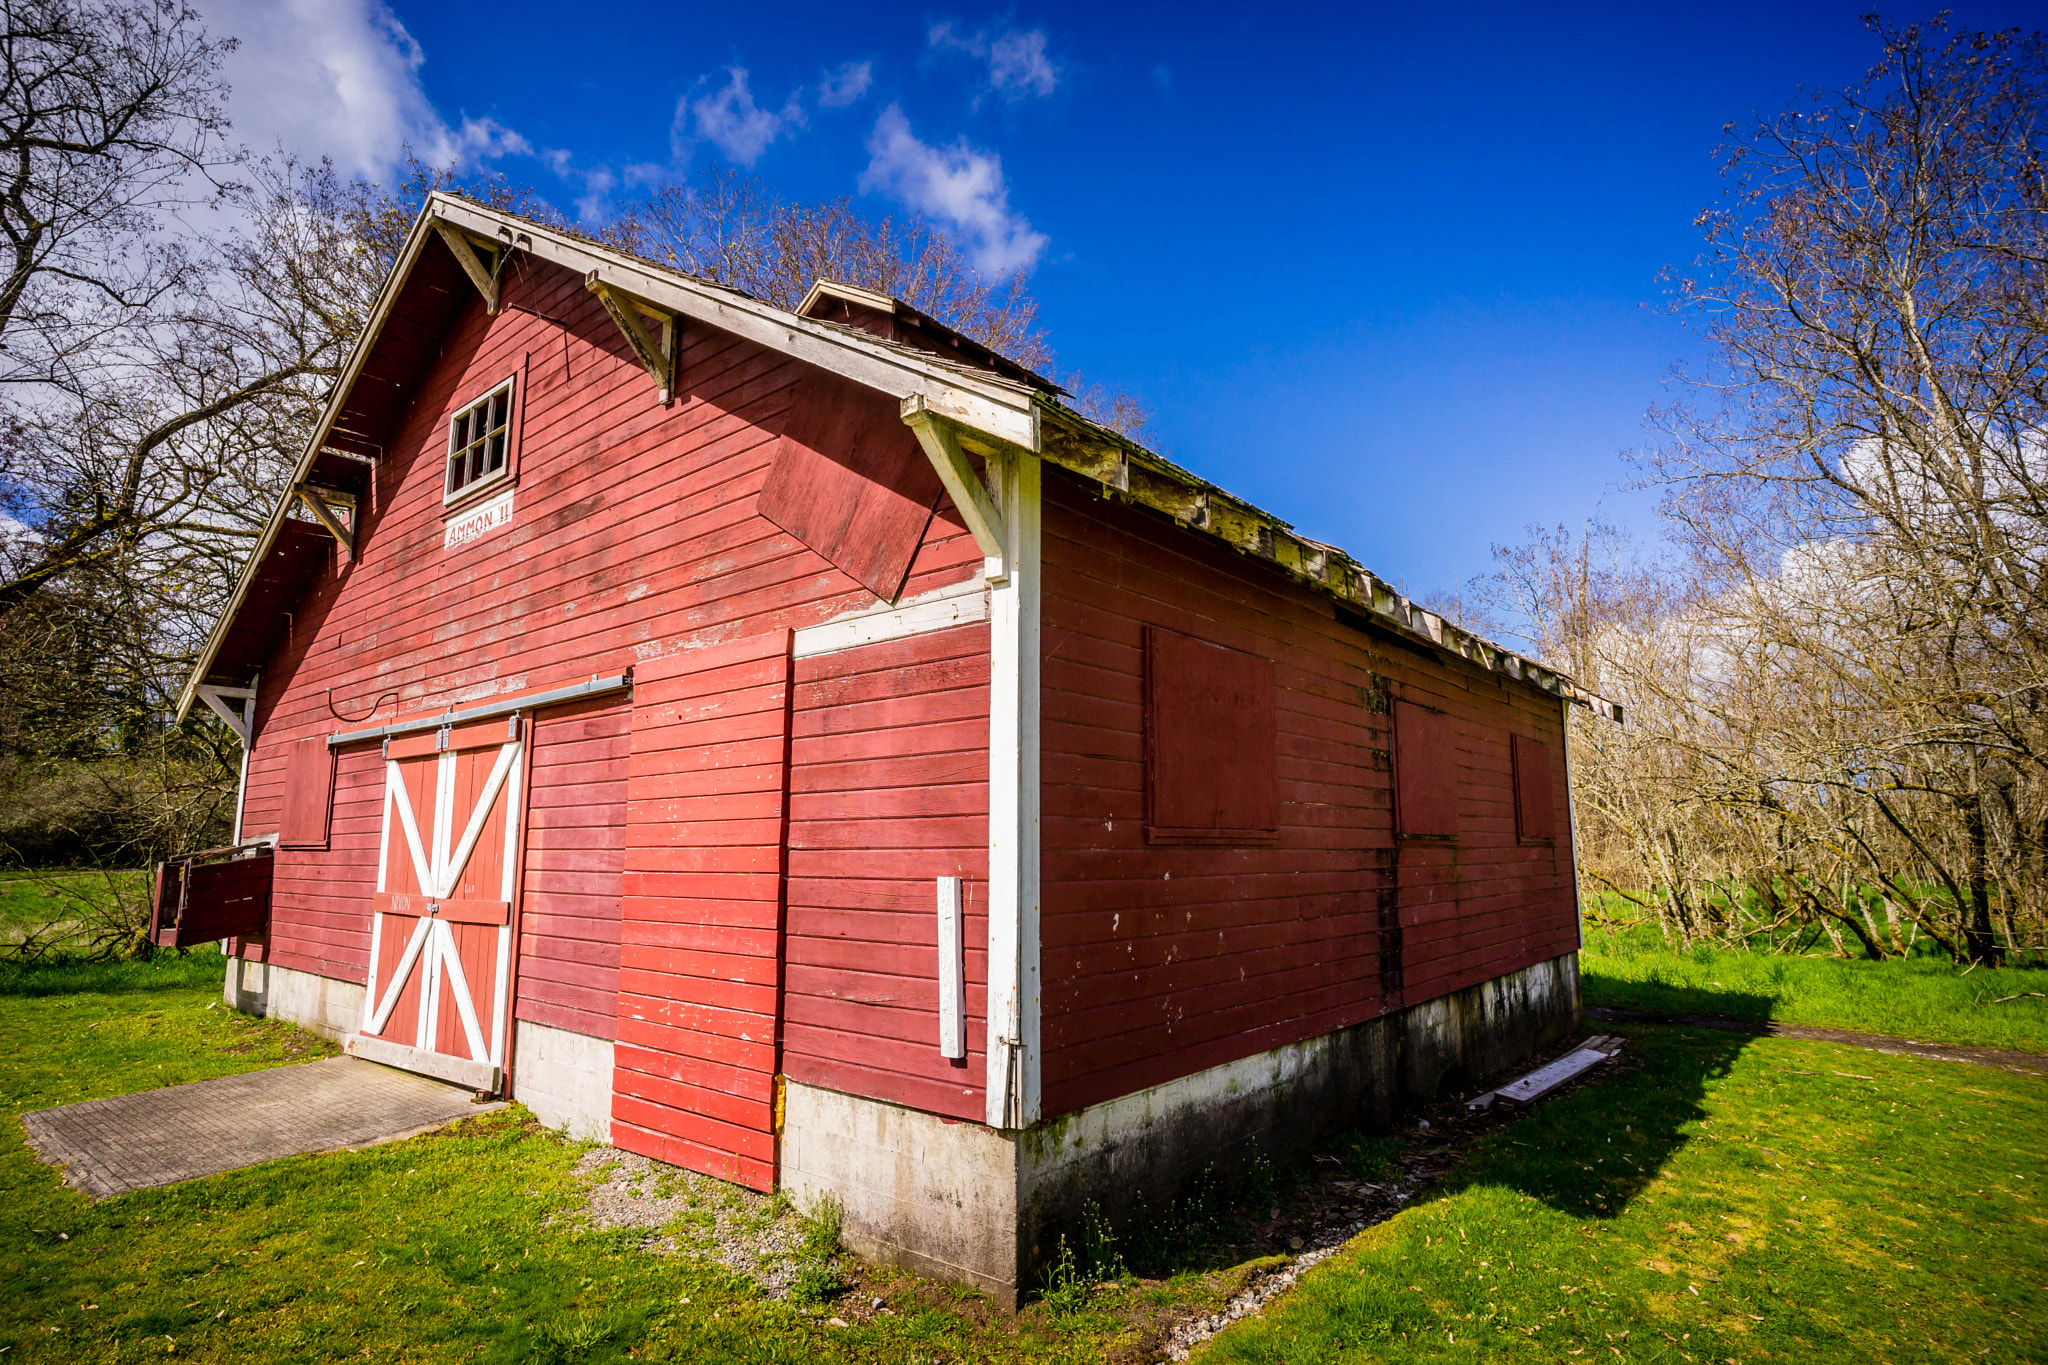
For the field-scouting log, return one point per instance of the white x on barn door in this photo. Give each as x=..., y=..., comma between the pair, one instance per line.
x=441, y=930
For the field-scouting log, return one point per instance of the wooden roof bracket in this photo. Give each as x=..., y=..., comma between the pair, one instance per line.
x=942, y=447
x=217, y=697
x=657, y=354
x=321, y=502
x=460, y=247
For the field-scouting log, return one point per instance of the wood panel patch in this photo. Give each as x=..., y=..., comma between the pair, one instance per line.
x=1211, y=743
x=851, y=482
x=1425, y=772
x=706, y=806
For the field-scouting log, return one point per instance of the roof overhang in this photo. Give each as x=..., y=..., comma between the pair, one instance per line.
x=989, y=413
x=1000, y=410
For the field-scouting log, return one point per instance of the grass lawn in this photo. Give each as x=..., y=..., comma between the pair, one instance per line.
x=53, y=905
x=1728, y=1199
x=1928, y=998
x=1723, y=1198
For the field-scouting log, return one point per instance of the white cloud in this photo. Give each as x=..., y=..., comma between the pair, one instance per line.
x=341, y=78
x=958, y=186
x=1017, y=62
x=729, y=119
x=846, y=85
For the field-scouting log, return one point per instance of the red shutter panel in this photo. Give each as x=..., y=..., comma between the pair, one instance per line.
x=308, y=795
x=851, y=482
x=1425, y=771
x=1211, y=743
x=1534, y=816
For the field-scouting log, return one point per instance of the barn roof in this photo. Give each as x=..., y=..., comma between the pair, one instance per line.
x=992, y=404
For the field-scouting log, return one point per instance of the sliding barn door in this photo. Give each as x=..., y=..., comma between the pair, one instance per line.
x=441, y=935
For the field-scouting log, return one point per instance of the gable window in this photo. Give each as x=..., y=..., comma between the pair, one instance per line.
x=477, y=440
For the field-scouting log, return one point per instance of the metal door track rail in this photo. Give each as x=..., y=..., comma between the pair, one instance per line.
x=505, y=707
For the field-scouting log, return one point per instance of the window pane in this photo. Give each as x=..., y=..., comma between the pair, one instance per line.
x=455, y=479
x=496, y=445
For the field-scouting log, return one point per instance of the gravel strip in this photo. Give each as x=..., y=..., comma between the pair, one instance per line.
x=684, y=1213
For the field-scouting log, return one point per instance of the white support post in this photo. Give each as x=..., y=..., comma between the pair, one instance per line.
x=952, y=972
x=1013, y=864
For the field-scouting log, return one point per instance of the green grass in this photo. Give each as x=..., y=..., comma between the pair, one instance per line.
x=1732, y=1200
x=33, y=903
x=1917, y=1220
x=1926, y=997
x=460, y=1246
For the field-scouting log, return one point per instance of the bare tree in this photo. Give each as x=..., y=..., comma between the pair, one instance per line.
x=110, y=115
x=730, y=228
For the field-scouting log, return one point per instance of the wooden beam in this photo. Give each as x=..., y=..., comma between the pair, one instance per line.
x=217, y=697
x=942, y=447
x=486, y=281
x=657, y=355
x=316, y=503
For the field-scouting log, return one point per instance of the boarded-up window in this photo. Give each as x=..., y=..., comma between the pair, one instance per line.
x=1534, y=818
x=851, y=482
x=308, y=795
x=1425, y=772
x=1211, y=743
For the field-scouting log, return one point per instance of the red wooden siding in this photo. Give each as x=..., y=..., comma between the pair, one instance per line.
x=575, y=862
x=1533, y=810
x=851, y=481
x=1210, y=743
x=634, y=532
x=700, y=941
x=888, y=792
x=320, y=900
x=1425, y=772
x=308, y=795
x=1161, y=961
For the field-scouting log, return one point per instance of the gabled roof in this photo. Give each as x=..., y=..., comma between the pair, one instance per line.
x=992, y=403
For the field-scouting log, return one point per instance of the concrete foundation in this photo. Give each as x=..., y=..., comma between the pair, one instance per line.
x=965, y=1202
x=971, y=1203
x=328, y=1007
x=565, y=1079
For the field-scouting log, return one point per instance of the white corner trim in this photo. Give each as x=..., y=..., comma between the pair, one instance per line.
x=956, y=604
x=1013, y=865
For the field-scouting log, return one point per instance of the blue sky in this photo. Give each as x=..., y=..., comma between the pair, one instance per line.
x=1388, y=271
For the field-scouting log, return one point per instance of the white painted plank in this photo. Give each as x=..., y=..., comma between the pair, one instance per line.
x=957, y=604
x=1545, y=1079
x=952, y=972
x=479, y=1076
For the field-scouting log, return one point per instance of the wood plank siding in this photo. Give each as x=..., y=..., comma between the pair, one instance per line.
x=701, y=939
x=1160, y=961
x=888, y=793
x=575, y=866
x=634, y=535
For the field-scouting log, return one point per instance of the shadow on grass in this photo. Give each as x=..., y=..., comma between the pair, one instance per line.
x=1589, y=1154
x=1654, y=996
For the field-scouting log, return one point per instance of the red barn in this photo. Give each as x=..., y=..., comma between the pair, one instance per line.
x=797, y=747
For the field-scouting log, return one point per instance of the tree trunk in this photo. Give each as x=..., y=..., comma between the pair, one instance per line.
x=1978, y=934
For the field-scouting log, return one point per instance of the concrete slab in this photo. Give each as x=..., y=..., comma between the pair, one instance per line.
x=181, y=1132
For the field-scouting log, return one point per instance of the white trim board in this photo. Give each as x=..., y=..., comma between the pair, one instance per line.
x=1013, y=799
x=956, y=605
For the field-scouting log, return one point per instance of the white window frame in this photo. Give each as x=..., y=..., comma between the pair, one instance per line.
x=502, y=475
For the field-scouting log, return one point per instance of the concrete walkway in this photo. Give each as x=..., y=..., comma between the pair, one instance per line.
x=2025, y=1063
x=181, y=1132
